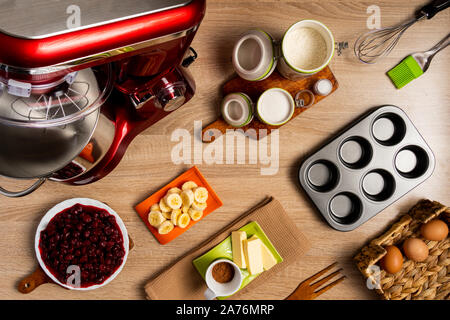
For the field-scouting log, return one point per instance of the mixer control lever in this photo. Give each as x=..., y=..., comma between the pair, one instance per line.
x=139, y=101
x=189, y=60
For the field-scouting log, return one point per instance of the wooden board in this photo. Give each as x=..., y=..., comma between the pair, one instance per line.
x=255, y=89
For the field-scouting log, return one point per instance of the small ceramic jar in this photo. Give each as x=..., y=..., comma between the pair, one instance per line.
x=237, y=109
x=254, y=55
x=323, y=87
x=291, y=69
x=275, y=107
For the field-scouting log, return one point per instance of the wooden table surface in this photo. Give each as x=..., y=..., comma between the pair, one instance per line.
x=147, y=164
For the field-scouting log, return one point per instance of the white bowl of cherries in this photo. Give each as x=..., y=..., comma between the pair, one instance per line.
x=81, y=244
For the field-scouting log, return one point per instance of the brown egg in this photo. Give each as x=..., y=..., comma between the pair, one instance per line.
x=392, y=262
x=435, y=230
x=415, y=249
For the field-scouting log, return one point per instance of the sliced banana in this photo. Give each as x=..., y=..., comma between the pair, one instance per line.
x=183, y=220
x=174, y=190
x=195, y=214
x=174, y=216
x=173, y=200
x=187, y=196
x=185, y=209
x=167, y=214
x=155, y=218
x=178, y=207
x=200, y=194
x=199, y=206
x=163, y=206
x=189, y=185
x=165, y=227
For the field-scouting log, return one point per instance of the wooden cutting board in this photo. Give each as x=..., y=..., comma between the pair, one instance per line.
x=255, y=89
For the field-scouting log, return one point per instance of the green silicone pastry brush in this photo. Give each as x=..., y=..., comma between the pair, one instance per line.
x=415, y=65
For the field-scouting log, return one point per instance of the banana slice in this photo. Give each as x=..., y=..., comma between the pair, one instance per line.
x=183, y=220
x=195, y=214
x=155, y=207
x=155, y=218
x=174, y=216
x=189, y=185
x=173, y=200
x=200, y=194
x=167, y=215
x=199, y=206
x=174, y=190
x=187, y=196
x=163, y=206
x=165, y=227
x=185, y=209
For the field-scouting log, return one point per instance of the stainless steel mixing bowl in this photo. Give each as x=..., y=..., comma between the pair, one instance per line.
x=43, y=132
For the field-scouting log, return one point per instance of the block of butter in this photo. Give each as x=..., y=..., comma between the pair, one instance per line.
x=267, y=257
x=237, y=239
x=253, y=255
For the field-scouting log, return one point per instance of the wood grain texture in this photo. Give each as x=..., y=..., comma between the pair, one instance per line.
x=147, y=164
x=255, y=89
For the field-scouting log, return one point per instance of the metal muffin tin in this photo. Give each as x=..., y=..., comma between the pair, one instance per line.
x=367, y=167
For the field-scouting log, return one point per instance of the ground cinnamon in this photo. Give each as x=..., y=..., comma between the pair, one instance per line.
x=223, y=272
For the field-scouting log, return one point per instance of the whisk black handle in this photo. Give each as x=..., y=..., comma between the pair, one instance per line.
x=434, y=7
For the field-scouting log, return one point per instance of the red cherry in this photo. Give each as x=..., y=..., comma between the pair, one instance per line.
x=104, y=214
x=87, y=219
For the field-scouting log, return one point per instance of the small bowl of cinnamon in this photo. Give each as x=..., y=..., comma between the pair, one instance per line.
x=223, y=278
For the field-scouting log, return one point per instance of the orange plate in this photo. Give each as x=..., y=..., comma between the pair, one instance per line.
x=193, y=174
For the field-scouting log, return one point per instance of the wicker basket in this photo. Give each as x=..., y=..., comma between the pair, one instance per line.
x=428, y=280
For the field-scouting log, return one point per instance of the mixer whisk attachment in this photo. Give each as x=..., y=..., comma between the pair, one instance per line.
x=59, y=103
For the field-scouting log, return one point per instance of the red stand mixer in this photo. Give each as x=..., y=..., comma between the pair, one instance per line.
x=77, y=88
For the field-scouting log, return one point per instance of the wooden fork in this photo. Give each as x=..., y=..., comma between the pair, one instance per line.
x=309, y=291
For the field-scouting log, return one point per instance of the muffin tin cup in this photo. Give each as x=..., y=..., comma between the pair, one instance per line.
x=411, y=162
x=378, y=185
x=355, y=152
x=345, y=208
x=388, y=129
x=368, y=166
x=323, y=176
